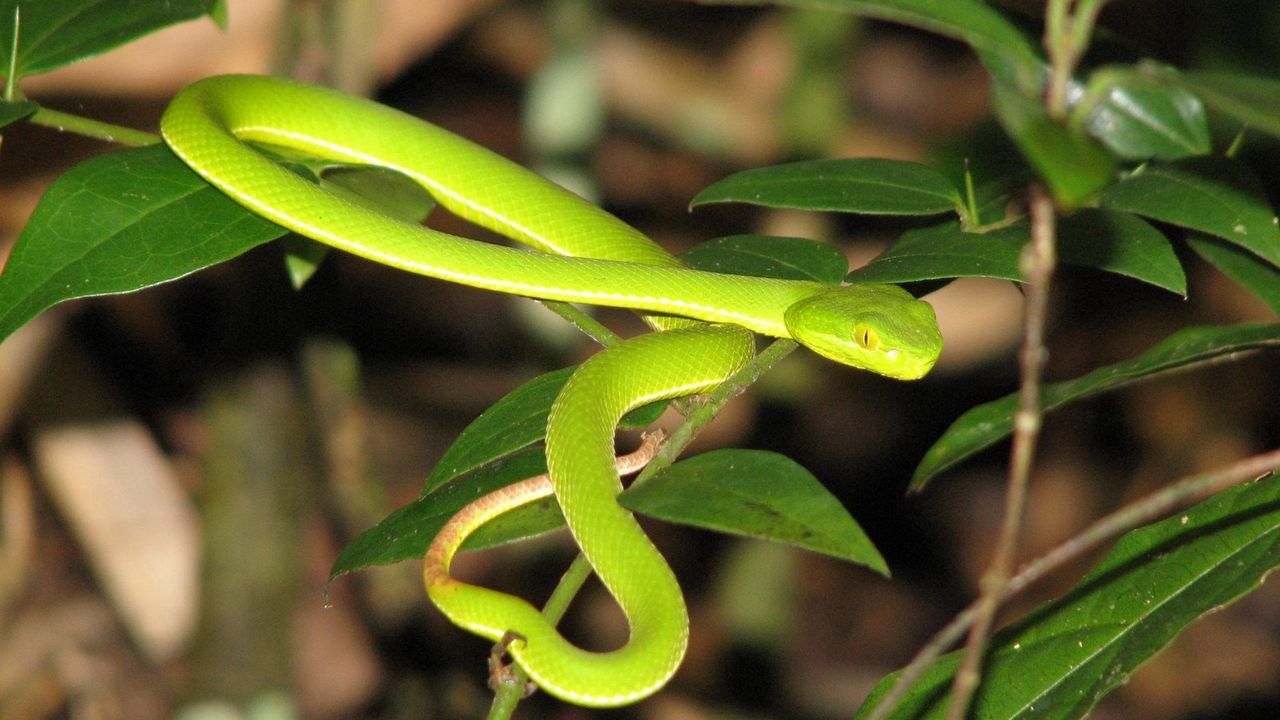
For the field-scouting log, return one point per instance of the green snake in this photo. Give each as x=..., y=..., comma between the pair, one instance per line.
x=584, y=255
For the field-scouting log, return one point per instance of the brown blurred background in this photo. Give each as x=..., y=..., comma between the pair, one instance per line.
x=179, y=467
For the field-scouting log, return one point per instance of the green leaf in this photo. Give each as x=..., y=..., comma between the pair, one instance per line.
x=513, y=423
x=1109, y=241
x=1006, y=51
x=1253, y=273
x=1074, y=166
x=379, y=189
x=1141, y=117
x=765, y=256
x=1065, y=656
x=1122, y=244
x=406, y=533
x=1253, y=101
x=118, y=223
x=1214, y=195
x=987, y=424
x=757, y=494
x=11, y=112
x=872, y=186
x=516, y=421
x=54, y=33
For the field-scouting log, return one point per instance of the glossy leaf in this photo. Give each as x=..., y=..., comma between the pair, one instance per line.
x=1110, y=241
x=54, y=33
x=11, y=112
x=1214, y=195
x=1066, y=655
x=1073, y=165
x=1005, y=50
x=987, y=424
x=1252, y=272
x=757, y=494
x=406, y=533
x=1254, y=101
x=516, y=421
x=765, y=256
x=1141, y=117
x=1122, y=244
x=118, y=223
x=513, y=423
x=872, y=186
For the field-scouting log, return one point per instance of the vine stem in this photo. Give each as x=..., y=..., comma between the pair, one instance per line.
x=512, y=687
x=1037, y=265
x=1142, y=511
x=66, y=122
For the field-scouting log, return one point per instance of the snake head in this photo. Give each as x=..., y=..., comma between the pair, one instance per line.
x=880, y=328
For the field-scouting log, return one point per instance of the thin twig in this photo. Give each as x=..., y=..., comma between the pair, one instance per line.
x=66, y=122
x=1142, y=511
x=514, y=687
x=589, y=326
x=1037, y=265
x=1068, y=28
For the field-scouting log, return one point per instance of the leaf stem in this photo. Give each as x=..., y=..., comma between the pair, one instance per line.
x=10, y=81
x=1183, y=492
x=66, y=122
x=1037, y=265
x=589, y=326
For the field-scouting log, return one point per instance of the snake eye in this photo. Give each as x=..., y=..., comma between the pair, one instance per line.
x=865, y=336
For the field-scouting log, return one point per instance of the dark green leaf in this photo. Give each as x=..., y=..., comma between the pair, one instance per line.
x=987, y=424
x=1094, y=238
x=1253, y=101
x=513, y=423
x=945, y=251
x=1253, y=273
x=118, y=223
x=1065, y=656
x=516, y=421
x=1006, y=51
x=1123, y=244
x=765, y=256
x=1141, y=117
x=860, y=185
x=54, y=33
x=11, y=112
x=406, y=533
x=1214, y=195
x=757, y=494
x=1074, y=166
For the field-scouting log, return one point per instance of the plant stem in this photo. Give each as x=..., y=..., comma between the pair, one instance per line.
x=1037, y=265
x=512, y=689
x=10, y=78
x=589, y=326
x=66, y=122
x=1068, y=28
x=1181, y=493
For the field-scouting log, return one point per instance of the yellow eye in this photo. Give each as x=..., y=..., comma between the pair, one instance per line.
x=867, y=337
